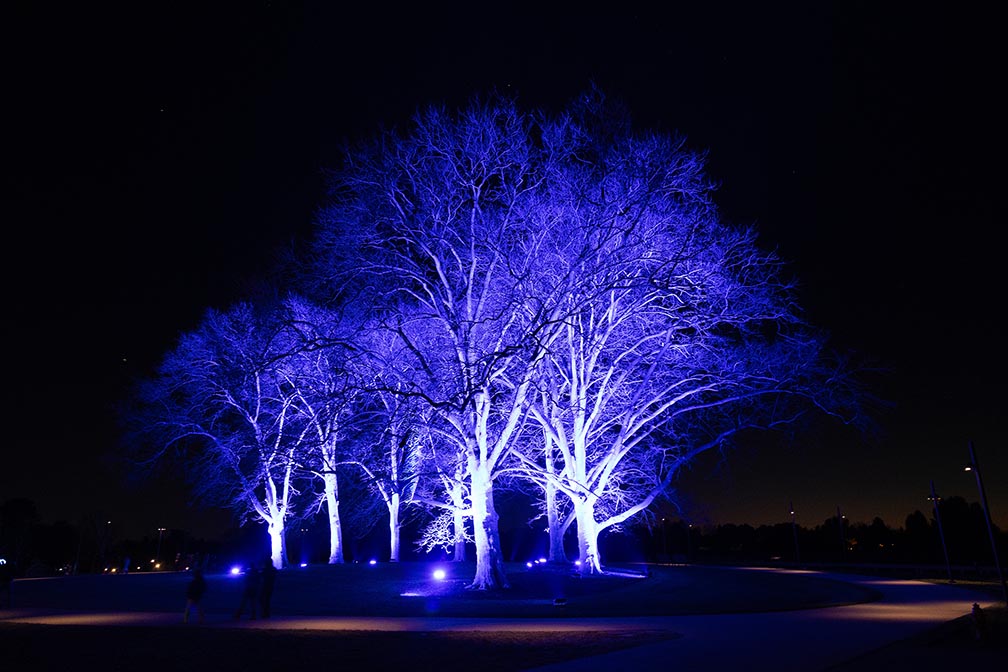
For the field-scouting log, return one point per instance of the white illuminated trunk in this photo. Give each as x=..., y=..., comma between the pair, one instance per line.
x=335, y=530
x=584, y=505
x=393, y=508
x=556, y=546
x=490, y=572
x=458, y=526
x=274, y=512
x=276, y=532
x=553, y=523
x=457, y=493
x=587, y=532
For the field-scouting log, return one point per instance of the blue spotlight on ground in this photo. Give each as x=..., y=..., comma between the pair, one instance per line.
x=439, y=574
x=373, y=562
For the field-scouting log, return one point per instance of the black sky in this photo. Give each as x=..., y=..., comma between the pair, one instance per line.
x=161, y=152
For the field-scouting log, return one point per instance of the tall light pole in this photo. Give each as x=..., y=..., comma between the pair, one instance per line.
x=843, y=536
x=794, y=532
x=941, y=532
x=105, y=541
x=975, y=468
x=157, y=556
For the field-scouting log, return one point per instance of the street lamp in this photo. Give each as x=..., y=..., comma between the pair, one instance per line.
x=843, y=536
x=934, y=498
x=794, y=532
x=105, y=541
x=974, y=466
x=157, y=556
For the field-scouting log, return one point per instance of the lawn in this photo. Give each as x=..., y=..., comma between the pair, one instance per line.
x=403, y=590
x=410, y=589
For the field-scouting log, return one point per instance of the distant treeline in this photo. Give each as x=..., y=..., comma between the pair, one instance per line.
x=35, y=548
x=919, y=541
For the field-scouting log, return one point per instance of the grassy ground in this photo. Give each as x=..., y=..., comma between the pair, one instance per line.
x=408, y=589
x=404, y=589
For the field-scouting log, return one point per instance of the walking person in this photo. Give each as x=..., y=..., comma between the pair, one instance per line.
x=6, y=580
x=250, y=593
x=269, y=573
x=194, y=595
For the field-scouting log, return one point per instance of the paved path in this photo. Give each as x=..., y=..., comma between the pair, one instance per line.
x=811, y=639
x=802, y=641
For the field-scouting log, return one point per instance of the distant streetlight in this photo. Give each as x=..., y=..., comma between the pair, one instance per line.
x=843, y=537
x=974, y=466
x=941, y=533
x=157, y=556
x=689, y=542
x=794, y=532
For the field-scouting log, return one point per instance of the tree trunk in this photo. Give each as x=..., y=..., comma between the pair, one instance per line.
x=276, y=533
x=490, y=572
x=458, y=525
x=335, y=530
x=394, y=527
x=556, y=546
x=458, y=518
x=587, y=532
x=556, y=532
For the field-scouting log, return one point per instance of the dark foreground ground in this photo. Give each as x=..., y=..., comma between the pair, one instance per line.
x=952, y=647
x=408, y=590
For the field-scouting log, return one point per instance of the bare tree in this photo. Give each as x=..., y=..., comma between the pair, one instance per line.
x=443, y=489
x=569, y=272
x=432, y=223
x=219, y=404
x=391, y=433
x=317, y=370
x=681, y=332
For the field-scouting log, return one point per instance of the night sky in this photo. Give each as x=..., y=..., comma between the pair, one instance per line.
x=159, y=154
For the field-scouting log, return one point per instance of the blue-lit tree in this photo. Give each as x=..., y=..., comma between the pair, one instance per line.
x=317, y=368
x=434, y=226
x=390, y=431
x=571, y=308
x=680, y=332
x=443, y=489
x=221, y=403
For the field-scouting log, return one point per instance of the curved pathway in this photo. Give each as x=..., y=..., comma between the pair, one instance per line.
x=804, y=640
x=807, y=640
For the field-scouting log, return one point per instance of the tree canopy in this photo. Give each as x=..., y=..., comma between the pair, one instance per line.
x=533, y=301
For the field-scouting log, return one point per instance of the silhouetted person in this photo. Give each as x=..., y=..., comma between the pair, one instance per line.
x=194, y=595
x=250, y=593
x=6, y=579
x=269, y=573
x=979, y=623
